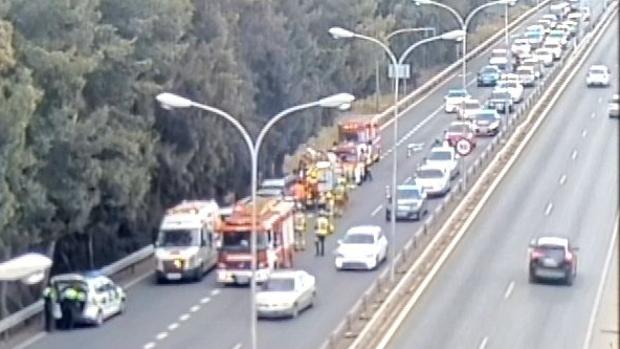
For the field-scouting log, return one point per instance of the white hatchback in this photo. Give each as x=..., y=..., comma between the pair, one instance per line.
x=286, y=293
x=434, y=179
x=598, y=75
x=363, y=247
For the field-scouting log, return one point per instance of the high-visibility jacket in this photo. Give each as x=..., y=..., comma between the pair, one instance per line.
x=300, y=220
x=322, y=226
x=339, y=192
x=50, y=292
x=299, y=191
x=72, y=294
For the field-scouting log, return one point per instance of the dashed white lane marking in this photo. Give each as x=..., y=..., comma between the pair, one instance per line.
x=509, y=289
x=194, y=309
x=593, y=115
x=161, y=336
x=548, y=209
x=149, y=345
x=205, y=300
x=184, y=317
x=407, y=180
x=376, y=210
x=173, y=326
x=237, y=346
x=484, y=342
x=584, y=133
x=574, y=154
x=215, y=292
x=562, y=179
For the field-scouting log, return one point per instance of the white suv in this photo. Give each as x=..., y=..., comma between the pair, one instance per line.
x=598, y=75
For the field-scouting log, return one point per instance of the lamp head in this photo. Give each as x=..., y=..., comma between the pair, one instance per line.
x=337, y=101
x=171, y=101
x=341, y=33
x=454, y=35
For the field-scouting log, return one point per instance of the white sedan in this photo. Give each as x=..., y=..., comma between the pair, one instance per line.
x=433, y=179
x=598, y=75
x=286, y=293
x=363, y=247
x=514, y=88
x=444, y=157
x=454, y=98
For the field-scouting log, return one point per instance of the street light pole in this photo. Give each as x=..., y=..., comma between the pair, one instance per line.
x=344, y=33
x=171, y=101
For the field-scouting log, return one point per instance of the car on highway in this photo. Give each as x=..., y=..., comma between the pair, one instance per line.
x=560, y=9
x=535, y=64
x=488, y=75
x=434, y=179
x=565, y=28
x=285, y=293
x=410, y=202
x=499, y=58
x=500, y=101
x=538, y=28
x=467, y=107
x=457, y=130
x=552, y=258
x=572, y=27
x=545, y=56
x=550, y=16
x=527, y=75
x=548, y=24
x=613, y=108
x=486, y=122
x=444, y=157
x=104, y=298
x=520, y=47
x=454, y=97
x=535, y=38
x=559, y=36
x=577, y=16
x=363, y=247
x=555, y=48
x=598, y=75
x=513, y=87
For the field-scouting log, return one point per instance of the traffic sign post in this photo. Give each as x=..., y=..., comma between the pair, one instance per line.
x=463, y=147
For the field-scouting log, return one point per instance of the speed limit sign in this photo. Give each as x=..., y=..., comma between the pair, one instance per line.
x=463, y=147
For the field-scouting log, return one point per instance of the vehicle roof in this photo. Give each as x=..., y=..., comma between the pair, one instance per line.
x=552, y=240
x=598, y=66
x=364, y=229
x=286, y=274
x=443, y=148
x=499, y=50
x=430, y=166
x=87, y=277
x=455, y=90
x=408, y=187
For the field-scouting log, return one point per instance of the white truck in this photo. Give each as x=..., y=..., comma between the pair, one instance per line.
x=186, y=246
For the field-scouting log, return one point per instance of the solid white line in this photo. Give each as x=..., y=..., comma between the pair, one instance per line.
x=584, y=133
x=407, y=180
x=376, y=210
x=562, y=179
x=194, y=309
x=484, y=342
x=574, y=154
x=28, y=342
x=184, y=317
x=601, y=285
x=215, y=292
x=205, y=300
x=548, y=208
x=149, y=345
x=161, y=336
x=237, y=346
x=173, y=326
x=508, y=292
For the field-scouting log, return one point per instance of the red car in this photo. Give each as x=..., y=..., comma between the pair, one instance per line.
x=552, y=258
x=458, y=130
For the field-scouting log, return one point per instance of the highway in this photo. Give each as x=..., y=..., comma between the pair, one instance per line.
x=565, y=183
x=203, y=315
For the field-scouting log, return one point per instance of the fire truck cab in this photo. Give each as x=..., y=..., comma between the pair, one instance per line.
x=362, y=131
x=186, y=246
x=352, y=167
x=275, y=241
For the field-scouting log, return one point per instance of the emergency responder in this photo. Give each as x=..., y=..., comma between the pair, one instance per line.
x=321, y=230
x=313, y=186
x=330, y=204
x=50, y=296
x=340, y=196
x=73, y=299
x=299, y=219
x=367, y=174
x=299, y=192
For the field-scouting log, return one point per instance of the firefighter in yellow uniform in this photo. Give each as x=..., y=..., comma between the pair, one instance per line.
x=312, y=187
x=299, y=219
x=322, y=229
x=330, y=205
x=340, y=196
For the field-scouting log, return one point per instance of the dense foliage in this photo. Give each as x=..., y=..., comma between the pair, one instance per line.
x=88, y=160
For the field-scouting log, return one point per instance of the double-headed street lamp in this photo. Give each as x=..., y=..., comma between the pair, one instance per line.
x=172, y=101
x=341, y=33
x=465, y=23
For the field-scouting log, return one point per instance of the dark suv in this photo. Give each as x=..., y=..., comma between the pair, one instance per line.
x=552, y=258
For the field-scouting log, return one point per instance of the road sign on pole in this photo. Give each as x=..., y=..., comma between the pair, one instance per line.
x=463, y=147
x=404, y=71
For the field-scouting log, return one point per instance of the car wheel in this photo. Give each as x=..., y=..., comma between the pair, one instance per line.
x=569, y=278
x=532, y=278
x=122, y=307
x=312, y=299
x=99, y=318
x=295, y=312
x=387, y=217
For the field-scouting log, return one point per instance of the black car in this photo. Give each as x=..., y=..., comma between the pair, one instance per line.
x=552, y=258
x=500, y=101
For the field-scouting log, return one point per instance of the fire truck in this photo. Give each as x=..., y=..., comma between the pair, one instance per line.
x=352, y=167
x=274, y=235
x=186, y=245
x=362, y=131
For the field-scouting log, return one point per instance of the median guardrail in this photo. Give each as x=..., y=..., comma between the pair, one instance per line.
x=369, y=318
x=385, y=117
x=23, y=316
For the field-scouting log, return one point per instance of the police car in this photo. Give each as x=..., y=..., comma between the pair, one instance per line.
x=104, y=298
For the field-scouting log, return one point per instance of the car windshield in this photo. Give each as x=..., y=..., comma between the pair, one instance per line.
x=240, y=240
x=524, y=70
x=279, y=285
x=409, y=194
x=429, y=173
x=498, y=54
x=532, y=35
x=440, y=155
x=500, y=95
x=489, y=70
x=597, y=71
x=485, y=117
x=358, y=239
x=178, y=237
x=552, y=251
x=456, y=93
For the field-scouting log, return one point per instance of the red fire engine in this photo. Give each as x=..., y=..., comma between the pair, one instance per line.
x=361, y=130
